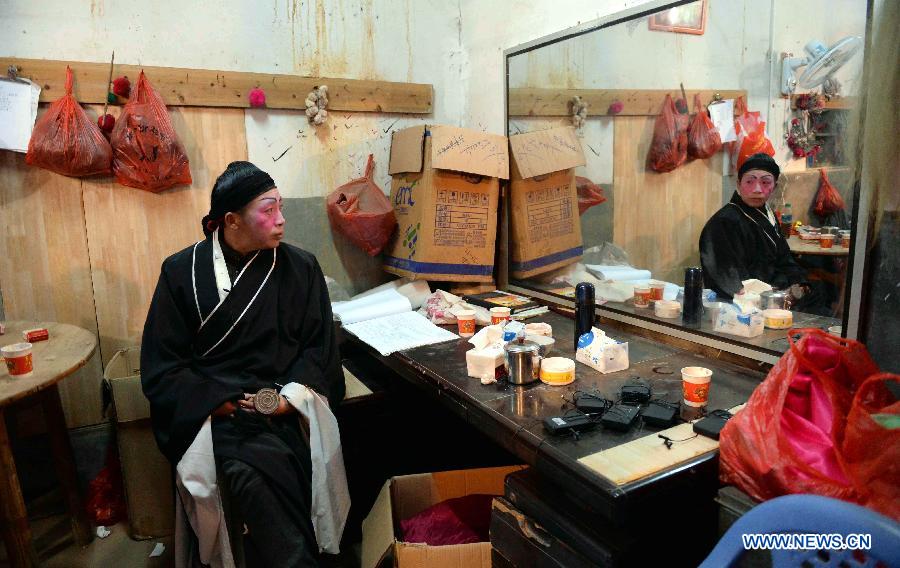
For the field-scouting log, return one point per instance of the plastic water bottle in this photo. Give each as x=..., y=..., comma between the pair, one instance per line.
x=787, y=219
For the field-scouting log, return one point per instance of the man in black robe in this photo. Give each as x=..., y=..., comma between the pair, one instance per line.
x=218, y=332
x=743, y=241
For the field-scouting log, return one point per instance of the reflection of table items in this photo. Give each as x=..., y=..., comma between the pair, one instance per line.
x=800, y=246
x=68, y=350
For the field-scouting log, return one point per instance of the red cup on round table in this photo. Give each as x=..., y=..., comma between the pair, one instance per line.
x=18, y=359
x=695, y=385
x=826, y=241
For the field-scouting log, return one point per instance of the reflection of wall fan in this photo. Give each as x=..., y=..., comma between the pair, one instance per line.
x=821, y=63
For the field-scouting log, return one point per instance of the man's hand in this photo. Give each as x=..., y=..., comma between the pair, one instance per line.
x=284, y=407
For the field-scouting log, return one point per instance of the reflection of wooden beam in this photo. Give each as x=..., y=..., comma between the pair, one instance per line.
x=210, y=88
x=840, y=102
x=636, y=102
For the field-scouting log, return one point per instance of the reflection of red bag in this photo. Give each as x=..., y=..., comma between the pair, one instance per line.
x=146, y=151
x=819, y=423
x=361, y=212
x=668, y=150
x=703, y=138
x=589, y=194
x=828, y=200
x=754, y=142
x=745, y=122
x=66, y=141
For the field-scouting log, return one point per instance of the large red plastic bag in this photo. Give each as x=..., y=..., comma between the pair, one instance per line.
x=360, y=211
x=814, y=426
x=66, y=141
x=589, y=194
x=703, y=137
x=668, y=150
x=146, y=151
x=828, y=200
x=745, y=121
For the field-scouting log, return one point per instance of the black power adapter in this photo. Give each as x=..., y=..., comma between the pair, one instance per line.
x=590, y=403
x=659, y=414
x=635, y=392
x=619, y=417
x=565, y=424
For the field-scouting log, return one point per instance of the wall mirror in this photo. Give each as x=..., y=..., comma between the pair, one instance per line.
x=609, y=81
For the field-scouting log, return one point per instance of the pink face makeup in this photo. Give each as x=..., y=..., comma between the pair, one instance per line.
x=265, y=221
x=756, y=187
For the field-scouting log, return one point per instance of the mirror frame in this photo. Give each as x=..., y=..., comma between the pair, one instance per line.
x=861, y=220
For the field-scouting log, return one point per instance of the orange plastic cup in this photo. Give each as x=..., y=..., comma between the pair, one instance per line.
x=642, y=296
x=465, y=320
x=695, y=383
x=500, y=314
x=826, y=241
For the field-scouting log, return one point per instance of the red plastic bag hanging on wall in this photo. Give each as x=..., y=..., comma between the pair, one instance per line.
x=822, y=422
x=589, y=194
x=66, y=141
x=745, y=121
x=360, y=211
x=146, y=151
x=703, y=138
x=668, y=150
x=828, y=200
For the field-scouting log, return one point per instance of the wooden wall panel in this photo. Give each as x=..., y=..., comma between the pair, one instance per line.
x=44, y=268
x=130, y=231
x=658, y=217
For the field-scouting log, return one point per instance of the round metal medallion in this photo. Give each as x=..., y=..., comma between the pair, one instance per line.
x=266, y=401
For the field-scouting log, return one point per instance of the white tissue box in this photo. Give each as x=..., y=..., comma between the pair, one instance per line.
x=597, y=350
x=485, y=363
x=743, y=324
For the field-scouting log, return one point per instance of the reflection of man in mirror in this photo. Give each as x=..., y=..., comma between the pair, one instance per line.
x=743, y=241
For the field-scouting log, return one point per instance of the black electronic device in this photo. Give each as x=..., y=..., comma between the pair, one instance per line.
x=590, y=403
x=712, y=425
x=565, y=424
x=635, y=392
x=619, y=417
x=659, y=414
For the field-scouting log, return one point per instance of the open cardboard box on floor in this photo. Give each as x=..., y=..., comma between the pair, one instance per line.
x=544, y=222
x=146, y=473
x=407, y=495
x=445, y=190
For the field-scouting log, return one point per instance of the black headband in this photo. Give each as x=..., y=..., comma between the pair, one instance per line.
x=759, y=161
x=239, y=184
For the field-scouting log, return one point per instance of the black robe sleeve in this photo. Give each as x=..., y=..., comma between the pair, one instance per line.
x=180, y=397
x=318, y=364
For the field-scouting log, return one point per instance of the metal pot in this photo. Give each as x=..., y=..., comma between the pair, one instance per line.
x=522, y=360
x=777, y=299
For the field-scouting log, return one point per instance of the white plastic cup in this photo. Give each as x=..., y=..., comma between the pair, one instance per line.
x=713, y=309
x=465, y=320
x=695, y=382
x=18, y=359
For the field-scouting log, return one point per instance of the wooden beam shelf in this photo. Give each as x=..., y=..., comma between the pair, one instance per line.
x=210, y=88
x=636, y=102
x=835, y=103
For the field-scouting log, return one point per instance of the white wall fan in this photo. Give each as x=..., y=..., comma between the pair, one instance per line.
x=820, y=63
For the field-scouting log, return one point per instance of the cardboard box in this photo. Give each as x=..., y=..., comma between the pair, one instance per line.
x=545, y=227
x=147, y=474
x=407, y=495
x=445, y=190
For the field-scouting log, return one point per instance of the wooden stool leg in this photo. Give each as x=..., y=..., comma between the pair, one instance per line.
x=65, y=463
x=13, y=516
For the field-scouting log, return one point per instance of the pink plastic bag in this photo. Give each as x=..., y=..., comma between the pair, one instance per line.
x=361, y=212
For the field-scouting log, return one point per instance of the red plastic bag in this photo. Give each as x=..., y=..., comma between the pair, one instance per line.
x=815, y=425
x=828, y=200
x=105, y=503
x=66, y=141
x=461, y=520
x=745, y=122
x=751, y=143
x=703, y=138
x=146, y=151
x=360, y=211
x=589, y=194
x=668, y=150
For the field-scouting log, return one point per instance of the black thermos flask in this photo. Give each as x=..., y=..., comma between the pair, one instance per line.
x=584, y=309
x=692, y=311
